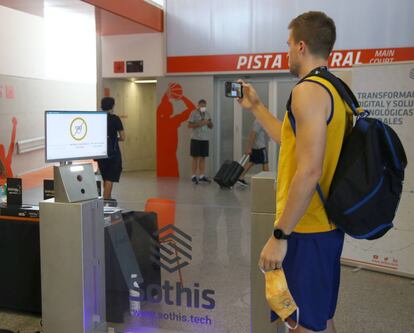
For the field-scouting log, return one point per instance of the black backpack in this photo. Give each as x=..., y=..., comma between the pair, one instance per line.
x=368, y=181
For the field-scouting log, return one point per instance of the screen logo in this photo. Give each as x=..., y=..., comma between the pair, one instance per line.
x=78, y=129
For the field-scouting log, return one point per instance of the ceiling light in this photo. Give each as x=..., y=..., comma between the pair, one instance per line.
x=145, y=81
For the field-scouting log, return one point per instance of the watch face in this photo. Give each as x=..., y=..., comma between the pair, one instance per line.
x=278, y=233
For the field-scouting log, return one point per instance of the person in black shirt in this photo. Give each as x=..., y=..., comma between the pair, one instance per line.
x=111, y=167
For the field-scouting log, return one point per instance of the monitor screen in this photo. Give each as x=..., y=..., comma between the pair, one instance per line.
x=75, y=135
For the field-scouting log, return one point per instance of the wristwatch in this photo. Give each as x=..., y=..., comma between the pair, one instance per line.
x=279, y=234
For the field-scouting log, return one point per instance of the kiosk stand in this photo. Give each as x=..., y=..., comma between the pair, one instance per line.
x=262, y=220
x=72, y=253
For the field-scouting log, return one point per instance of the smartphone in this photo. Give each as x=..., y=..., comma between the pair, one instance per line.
x=233, y=89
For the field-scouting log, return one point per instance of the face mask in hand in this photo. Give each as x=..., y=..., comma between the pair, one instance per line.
x=279, y=297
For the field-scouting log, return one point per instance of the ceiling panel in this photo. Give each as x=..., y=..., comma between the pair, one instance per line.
x=111, y=24
x=34, y=7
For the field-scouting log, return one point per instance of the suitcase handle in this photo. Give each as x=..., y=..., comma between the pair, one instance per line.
x=244, y=159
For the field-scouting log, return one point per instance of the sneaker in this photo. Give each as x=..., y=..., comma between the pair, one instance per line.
x=194, y=179
x=242, y=182
x=205, y=180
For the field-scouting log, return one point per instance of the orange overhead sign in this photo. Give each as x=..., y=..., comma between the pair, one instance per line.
x=258, y=62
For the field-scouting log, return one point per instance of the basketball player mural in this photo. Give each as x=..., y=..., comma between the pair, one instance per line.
x=6, y=160
x=167, y=130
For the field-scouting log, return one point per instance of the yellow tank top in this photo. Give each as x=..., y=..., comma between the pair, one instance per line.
x=315, y=218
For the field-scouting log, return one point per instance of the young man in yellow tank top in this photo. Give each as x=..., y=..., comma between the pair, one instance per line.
x=304, y=242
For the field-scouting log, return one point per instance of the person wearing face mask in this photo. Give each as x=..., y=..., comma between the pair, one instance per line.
x=111, y=167
x=200, y=123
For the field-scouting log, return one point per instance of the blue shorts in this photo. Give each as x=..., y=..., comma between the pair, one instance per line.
x=312, y=268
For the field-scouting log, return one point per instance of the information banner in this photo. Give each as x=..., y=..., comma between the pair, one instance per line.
x=387, y=90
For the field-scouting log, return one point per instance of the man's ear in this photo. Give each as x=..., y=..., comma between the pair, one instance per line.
x=302, y=46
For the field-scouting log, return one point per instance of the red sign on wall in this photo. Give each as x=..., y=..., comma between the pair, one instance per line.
x=119, y=66
x=279, y=61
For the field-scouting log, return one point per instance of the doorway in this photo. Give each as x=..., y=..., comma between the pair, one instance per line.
x=135, y=104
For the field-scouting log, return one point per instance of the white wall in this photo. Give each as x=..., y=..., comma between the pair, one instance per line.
x=254, y=26
x=70, y=43
x=22, y=44
x=50, y=64
x=49, y=47
x=148, y=47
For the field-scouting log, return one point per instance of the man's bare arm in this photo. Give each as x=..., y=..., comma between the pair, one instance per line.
x=121, y=136
x=251, y=101
x=196, y=124
x=271, y=124
x=311, y=106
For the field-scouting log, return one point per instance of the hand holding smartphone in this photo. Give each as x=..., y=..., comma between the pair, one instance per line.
x=233, y=89
x=245, y=92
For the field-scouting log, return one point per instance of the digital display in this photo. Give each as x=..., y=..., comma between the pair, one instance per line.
x=75, y=135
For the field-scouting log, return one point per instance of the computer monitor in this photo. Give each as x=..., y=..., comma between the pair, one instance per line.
x=75, y=135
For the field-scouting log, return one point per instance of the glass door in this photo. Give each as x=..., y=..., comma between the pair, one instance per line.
x=243, y=119
x=235, y=123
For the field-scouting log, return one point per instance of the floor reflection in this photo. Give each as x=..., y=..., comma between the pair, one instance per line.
x=215, y=293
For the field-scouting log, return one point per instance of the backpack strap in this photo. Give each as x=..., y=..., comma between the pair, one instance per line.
x=344, y=91
x=342, y=88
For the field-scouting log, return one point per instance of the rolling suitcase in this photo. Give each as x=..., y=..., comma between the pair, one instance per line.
x=230, y=172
